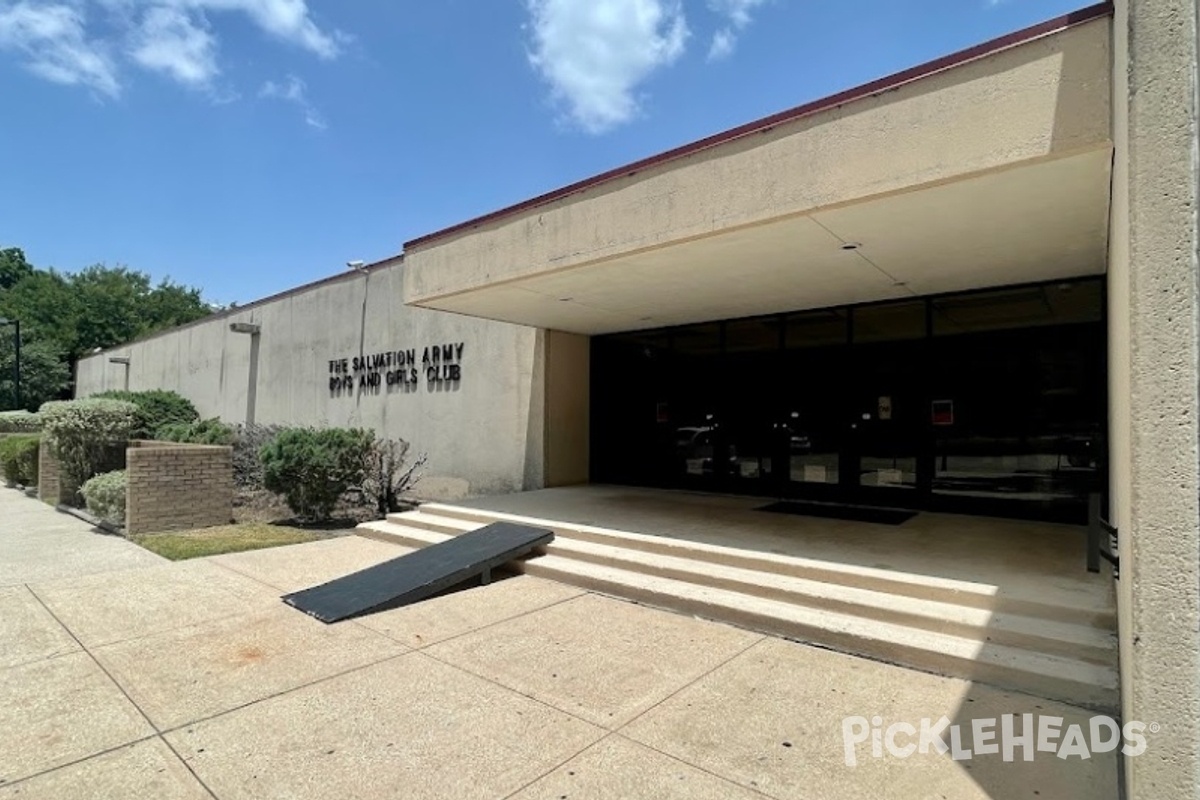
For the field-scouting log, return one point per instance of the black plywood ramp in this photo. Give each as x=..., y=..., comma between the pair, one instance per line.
x=421, y=574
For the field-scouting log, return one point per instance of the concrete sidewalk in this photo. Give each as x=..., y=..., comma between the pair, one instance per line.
x=38, y=543
x=138, y=678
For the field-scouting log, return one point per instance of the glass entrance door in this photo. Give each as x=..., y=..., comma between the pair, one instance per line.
x=983, y=402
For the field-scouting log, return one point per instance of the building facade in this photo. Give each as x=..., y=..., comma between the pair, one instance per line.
x=972, y=286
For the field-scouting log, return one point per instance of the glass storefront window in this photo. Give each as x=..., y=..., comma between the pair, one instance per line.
x=1023, y=307
x=817, y=329
x=989, y=401
x=890, y=323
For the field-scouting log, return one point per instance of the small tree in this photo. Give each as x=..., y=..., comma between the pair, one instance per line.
x=312, y=469
x=82, y=433
x=386, y=478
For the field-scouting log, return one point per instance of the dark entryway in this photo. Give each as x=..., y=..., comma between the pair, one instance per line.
x=989, y=402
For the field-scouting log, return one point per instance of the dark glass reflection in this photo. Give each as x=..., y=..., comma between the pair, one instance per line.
x=989, y=402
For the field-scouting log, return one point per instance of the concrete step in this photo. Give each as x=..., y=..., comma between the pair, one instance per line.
x=1048, y=636
x=1068, y=662
x=449, y=518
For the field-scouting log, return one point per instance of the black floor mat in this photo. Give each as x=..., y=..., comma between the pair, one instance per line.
x=879, y=516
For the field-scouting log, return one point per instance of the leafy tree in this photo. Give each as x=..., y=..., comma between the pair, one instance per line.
x=45, y=373
x=13, y=266
x=45, y=305
x=96, y=307
x=66, y=316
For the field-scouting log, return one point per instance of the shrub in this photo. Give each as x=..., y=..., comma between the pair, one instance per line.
x=313, y=468
x=249, y=441
x=82, y=433
x=19, y=458
x=209, y=431
x=20, y=422
x=105, y=496
x=157, y=408
x=386, y=478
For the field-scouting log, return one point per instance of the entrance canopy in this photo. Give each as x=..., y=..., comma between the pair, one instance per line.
x=990, y=167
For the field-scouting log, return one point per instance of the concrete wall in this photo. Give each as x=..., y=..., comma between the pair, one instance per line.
x=1155, y=364
x=1045, y=98
x=173, y=487
x=482, y=433
x=568, y=423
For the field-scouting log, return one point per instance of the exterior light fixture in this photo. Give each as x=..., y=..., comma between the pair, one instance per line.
x=850, y=246
x=119, y=360
x=246, y=327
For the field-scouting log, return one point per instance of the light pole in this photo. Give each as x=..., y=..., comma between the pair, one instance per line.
x=16, y=323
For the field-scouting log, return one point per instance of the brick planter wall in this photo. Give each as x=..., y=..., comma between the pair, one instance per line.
x=175, y=487
x=53, y=487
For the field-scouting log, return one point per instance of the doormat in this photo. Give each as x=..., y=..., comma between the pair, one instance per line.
x=879, y=516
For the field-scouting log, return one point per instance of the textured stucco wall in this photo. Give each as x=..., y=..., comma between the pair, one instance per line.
x=1045, y=98
x=482, y=435
x=1156, y=408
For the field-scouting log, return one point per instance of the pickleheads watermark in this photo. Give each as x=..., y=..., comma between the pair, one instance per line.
x=1027, y=734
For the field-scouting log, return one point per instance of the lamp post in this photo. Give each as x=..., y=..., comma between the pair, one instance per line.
x=16, y=323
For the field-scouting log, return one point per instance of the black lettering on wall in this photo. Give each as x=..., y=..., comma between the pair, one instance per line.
x=397, y=370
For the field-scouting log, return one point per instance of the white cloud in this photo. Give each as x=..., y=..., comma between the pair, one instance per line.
x=62, y=42
x=52, y=38
x=723, y=42
x=288, y=20
x=737, y=16
x=293, y=90
x=171, y=41
x=595, y=53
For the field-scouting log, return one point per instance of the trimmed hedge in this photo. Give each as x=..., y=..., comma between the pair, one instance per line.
x=19, y=458
x=209, y=431
x=20, y=422
x=105, y=496
x=157, y=408
x=82, y=433
x=312, y=469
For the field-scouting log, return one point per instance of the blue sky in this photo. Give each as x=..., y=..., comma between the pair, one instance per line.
x=247, y=146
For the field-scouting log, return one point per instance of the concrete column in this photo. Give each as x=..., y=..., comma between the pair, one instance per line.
x=568, y=396
x=1155, y=387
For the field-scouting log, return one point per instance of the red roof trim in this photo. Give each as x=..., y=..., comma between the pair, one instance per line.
x=866, y=90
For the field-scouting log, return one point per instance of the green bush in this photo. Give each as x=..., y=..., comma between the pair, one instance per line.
x=209, y=431
x=20, y=422
x=312, y=469
x=105, y=496
x=82, y=433
x=247, y=453
x=156, y=409
x=19, y=458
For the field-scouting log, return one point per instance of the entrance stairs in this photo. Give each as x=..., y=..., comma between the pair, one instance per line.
x=955, y=628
